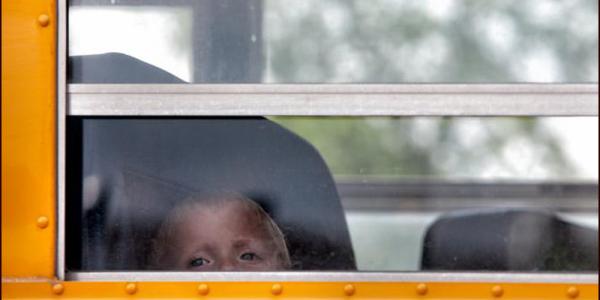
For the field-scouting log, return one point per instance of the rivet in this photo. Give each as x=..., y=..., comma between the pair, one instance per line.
x=203, y=289
x=58, y=288
x=131, y=288
x=422, y=289
x=276, y=289
x=497, y=291
x=573, y=292
x=42, y=222
x=349, y=289
x=43, y=20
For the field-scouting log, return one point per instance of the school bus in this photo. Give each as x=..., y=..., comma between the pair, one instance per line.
x=98, y=146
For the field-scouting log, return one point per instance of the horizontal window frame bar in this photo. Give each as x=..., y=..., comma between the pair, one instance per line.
x=311, y=276
x=529, y=99
x=476, y=189
x=448, y=195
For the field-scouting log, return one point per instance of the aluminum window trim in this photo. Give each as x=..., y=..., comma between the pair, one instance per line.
x=61, y=118
x=312, y=276
x=531, y=99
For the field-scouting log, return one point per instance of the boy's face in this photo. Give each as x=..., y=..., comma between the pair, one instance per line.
x=231, y=237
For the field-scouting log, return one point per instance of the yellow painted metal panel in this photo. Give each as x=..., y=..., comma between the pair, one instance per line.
x=28, y=176
x=28, y=138
x=323, y=290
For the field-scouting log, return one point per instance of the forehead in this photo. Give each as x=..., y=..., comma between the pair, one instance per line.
x=230, y=216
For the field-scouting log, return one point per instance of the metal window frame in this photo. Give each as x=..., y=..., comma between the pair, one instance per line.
x=524, y=99
x=61, y=118
x=519, y=99
x=311, y=276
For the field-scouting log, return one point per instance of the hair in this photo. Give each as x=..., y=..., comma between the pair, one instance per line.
x=159, y=256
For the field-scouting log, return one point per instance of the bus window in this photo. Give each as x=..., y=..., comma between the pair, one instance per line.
x=335, y=41
x=362, y=193
x=416, y=189
x=185, y=41
x=330, y=136
x=133, y=172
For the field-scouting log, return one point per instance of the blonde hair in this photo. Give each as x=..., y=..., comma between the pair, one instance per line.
x=161, y=247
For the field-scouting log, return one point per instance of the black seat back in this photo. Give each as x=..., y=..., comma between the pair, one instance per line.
x=509, y=240
x=115, y=68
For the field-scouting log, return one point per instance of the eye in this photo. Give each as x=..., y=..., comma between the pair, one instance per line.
x=198, y=262
x=248, y=256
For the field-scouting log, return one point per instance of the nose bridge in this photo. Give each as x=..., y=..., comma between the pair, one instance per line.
x=228, y=265
x=228, y=260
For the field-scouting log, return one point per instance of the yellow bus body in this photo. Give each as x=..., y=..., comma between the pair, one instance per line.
x=29, y=80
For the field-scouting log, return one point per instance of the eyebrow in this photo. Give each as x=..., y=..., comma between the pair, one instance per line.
x=205, y=248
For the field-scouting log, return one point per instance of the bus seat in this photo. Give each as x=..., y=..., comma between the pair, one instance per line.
x=509, y=240
x=115, y=68
x=135, y=169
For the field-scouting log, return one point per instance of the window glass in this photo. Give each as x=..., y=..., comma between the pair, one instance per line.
x=498, y=148
x=332, y=193
x=160, y=36
x=337, y=41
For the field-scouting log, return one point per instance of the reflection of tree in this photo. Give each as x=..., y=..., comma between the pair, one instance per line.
x=491, y=147
x=404, y=41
